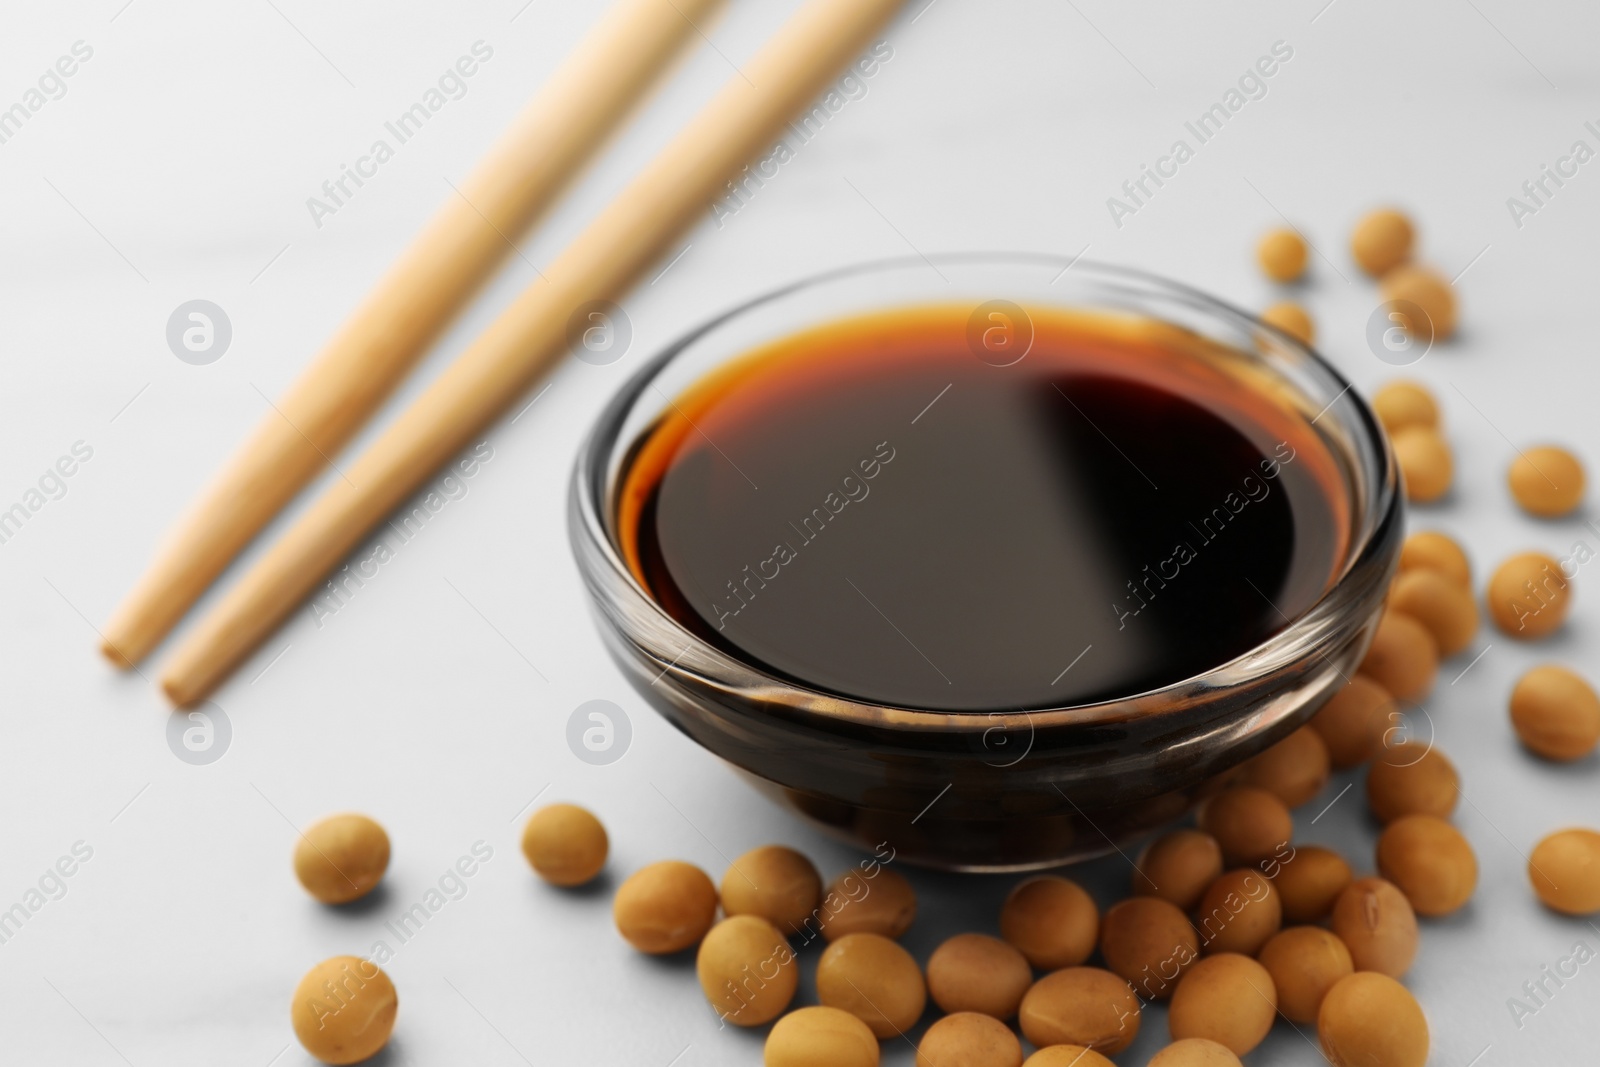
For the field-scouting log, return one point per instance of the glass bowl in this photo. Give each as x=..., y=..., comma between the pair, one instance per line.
x=1003, y=790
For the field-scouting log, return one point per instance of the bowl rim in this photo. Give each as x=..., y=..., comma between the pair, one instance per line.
x=1321, y=625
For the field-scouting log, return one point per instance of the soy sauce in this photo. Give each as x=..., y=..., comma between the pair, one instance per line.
x=886, y=510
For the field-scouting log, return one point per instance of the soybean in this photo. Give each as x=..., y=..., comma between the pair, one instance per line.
x=1547, y=481
x=1292, y=319
x=1382, y=241
x=1425, y=303
x=1282, y=255
x=1529, y=596
x=1556, y=713
x=1149, y=943
x=1434, y=551
x=1239, y=911
x=1248, y=823
x=1294, y=770
x=809, y=1036
x=874, y=979
x=341, y=858
x=665, y=907
x=1412, y=779
x=747, y=970
x=883, y=903
x=1051, y=921
x=565, y=844
x=1370, y=1020
x=1430, y=861
x=776, y=883
x=1427, y=465
x=1067, y=1056
x=1226, y=998
x=1402, y=657
x=1376, y=923
x=1304, y=962
x=1565, y=871
x=1177, y=867
x=971, y=1040
x=1310, y=881
x=1445, y=608
x=1195, y=1052
x=1081, y=1006
x=1354, y=721
x=975, y=972
x=1403, y=404
x=343, y=1010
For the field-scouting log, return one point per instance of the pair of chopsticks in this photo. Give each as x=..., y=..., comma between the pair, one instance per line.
x=374, y=350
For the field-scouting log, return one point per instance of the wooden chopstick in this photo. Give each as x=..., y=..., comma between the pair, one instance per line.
x=601, y=264
x=549, y=141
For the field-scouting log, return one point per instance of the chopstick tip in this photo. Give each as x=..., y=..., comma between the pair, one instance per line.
x=113, y=654
x=179, y=693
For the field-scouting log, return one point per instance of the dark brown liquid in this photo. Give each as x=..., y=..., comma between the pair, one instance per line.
x=1123, y=508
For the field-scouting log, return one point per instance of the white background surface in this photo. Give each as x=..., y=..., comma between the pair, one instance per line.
x=177, y=166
